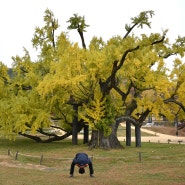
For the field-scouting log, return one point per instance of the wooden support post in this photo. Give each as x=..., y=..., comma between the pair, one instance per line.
x=41, y=159
x=16, y=155
x=180, y=141
x=8, y=151
x=139, y=156
x=92, y=157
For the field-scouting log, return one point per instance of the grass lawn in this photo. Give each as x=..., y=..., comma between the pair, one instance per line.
x=154, y=164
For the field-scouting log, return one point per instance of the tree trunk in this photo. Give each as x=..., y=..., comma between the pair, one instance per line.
x=128, y=133
x=99, y=140
x=75, y=126
x=149, y=119
x=94, y=142
x=138, y=135
x=86, y=134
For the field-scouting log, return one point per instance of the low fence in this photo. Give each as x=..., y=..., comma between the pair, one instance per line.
x=40, y=158
x=138, y=157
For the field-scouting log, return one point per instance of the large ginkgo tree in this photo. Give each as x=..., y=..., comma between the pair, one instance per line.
x=71, y=87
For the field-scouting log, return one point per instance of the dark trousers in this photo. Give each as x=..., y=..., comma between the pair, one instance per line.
x=91, y=171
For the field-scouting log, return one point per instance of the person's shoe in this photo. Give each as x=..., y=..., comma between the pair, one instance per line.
x=71, y=175
x=91, y=175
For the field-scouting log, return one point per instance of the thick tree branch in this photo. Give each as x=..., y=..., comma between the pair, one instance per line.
x=144, y=115
x=82, y=38
x=36, y=138
x=123, y=95
x=129, y=30
x=126, y=118
x=110, y=82
x=52, y=137
x=159, y=41
x=172, y=100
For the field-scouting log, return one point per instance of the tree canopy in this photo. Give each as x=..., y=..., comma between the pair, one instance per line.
x=122, y=79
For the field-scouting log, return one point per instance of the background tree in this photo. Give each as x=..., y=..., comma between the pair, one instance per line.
x=176, y=97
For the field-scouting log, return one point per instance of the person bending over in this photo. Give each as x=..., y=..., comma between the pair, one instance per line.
x=82, y=160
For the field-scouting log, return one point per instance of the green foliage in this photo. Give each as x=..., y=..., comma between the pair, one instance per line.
x=96, y=44
x=141, y=20
x=99, y=114
x=130, y=69
x=77, y=22
x=44, y=37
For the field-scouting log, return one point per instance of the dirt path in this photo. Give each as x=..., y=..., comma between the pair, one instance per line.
x=157, y=137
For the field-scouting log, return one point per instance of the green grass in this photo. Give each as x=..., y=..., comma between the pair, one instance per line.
x=122, y=132
x=159, y=164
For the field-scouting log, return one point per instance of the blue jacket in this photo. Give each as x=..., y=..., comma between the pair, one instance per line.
x=81, y=159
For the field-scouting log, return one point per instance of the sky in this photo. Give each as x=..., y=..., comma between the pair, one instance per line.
x=107, y=18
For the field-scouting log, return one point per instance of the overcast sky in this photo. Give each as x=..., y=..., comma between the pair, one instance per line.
x=106, y=18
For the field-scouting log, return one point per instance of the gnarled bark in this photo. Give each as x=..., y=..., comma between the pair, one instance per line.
x=99, y=140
